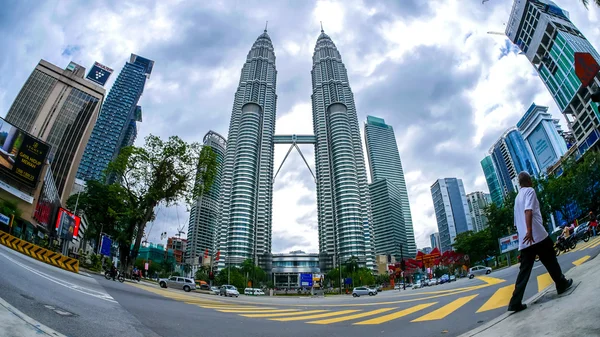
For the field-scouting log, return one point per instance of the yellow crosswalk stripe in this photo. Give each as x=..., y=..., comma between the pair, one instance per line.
x=284, y=314
x=500, y=299
x=582, y=246
x=351, y=317
x=249, y=311
x=232, y=307
x=544, y=281
x=491, y=280
x=393, y=316
x=595, y=244
x=582, y=260
x=302, y=318
x=445, y=310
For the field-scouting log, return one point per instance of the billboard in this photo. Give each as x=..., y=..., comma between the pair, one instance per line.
x=509, y=243
x=542, y=148
x=21, y=155
x=99, y=73
x=306, y=280
x=67, y=224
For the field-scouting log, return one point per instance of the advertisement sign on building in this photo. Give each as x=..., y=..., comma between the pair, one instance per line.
x=67, y=224
x=509, y=243
x=541, y=147
x=4, y=219
x=99, y=73
x=21, y=155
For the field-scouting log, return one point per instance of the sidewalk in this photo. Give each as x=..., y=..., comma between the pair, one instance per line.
x=14, y=323
x=574, y=313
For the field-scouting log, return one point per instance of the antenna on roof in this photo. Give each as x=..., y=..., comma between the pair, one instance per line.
x=266, y=24
x=322, y=27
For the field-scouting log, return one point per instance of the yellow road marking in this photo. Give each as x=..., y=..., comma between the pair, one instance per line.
x=283, y=314
x=445, y=310
x=390, y=317
x=582, y=260
x=596, y=244
x=491, y=280
x=246, y=311
x=301, y=318
x=351, y=317
x=500, y=299
x=544, y=281
x=232, y=307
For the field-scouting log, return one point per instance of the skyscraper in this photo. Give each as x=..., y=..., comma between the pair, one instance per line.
x=510, y=157
x=343, y=205
x=392, y=221
x=204, y=214
x=491, y=177
x=478, y=201
x=451, y=210
x=58, y=106
x=435, y=240
x=549, y=40
x=247, y=189
x=115, y=127
x=542, y=137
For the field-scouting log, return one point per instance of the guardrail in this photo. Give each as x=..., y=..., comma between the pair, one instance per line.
x=39, y=253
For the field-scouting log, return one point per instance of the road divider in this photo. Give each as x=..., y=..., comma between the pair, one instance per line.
x=39, y=253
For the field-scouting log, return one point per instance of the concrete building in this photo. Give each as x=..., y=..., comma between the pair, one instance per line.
x=392, y=220
x=426, y=250
x=288, y=267
x=204, y=214
x=178, y=245
x=116, y=125
x=542, y=137
x=478, y=201
x=545, y=34
x=435, y=240
x=60, y=107
x=156, y=254
x=491, y=177
x=451, y=210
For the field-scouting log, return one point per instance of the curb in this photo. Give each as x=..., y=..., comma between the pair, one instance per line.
x=40, y=328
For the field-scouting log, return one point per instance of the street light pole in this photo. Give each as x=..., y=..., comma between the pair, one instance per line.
x=401, y=263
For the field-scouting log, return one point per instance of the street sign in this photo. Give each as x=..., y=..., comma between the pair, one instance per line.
x=306, y=280
x=4, y=219
x=105, y=247
x=586, y=68
x=508, y=243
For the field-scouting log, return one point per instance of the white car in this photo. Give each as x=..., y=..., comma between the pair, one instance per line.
x=229, y=291
x=478, y=270
x=417, y=285
x=214, y=290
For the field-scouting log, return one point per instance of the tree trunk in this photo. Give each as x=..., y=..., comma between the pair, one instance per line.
x=140, y=232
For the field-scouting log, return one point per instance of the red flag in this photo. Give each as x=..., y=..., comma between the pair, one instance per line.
x=206, y=253
x=218, y=255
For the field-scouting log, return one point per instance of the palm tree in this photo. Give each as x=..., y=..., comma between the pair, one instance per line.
x=587, y=2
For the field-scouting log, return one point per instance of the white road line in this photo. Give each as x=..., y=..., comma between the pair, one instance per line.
x=83, y=290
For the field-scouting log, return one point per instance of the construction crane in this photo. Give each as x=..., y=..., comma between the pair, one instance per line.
x=496, y=33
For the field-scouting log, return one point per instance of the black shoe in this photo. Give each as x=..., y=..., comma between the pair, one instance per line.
x=521, y=307
x=566, y=287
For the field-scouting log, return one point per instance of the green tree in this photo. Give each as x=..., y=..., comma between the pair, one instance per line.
x=201, y=275
x=234, y=275
x=8, y=208
x=352, y=264
x=478, y=245
x=382, y=279
x=161, y=172
x=586, y=3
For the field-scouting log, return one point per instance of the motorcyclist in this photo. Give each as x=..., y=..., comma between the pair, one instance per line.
x=113, y=272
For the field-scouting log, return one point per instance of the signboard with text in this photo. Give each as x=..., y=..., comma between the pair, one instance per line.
x=67, y=224
x=306, y=280
x=105, y=247
x=22, y=156
x=542, y=148
x=509, y=243
x=4, y=219
x=99, y=73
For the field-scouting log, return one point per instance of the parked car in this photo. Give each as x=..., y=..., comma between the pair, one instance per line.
x=228, y=290
x=417, y=285
x=253, y=291
x=214, y=290
x=478, y=270
x=445, y=278
x=358, y=291
x=452, y=278
x=177, y=282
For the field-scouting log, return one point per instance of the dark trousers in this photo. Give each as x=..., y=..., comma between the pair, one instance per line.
x=545, y=250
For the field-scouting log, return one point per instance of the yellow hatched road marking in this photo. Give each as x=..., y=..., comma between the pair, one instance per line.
x=351, y=317
x=595, y=244
x=544, y=281
x=232, y=307
x=244, y=311
x=491, y=280
x=283, y=314
x=500, y=299
x=582, y=260
x=301, y=318
x=445, y=310
x=390, y=317
x=583, y=246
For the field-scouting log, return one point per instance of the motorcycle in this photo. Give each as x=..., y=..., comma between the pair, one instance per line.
x=136, y=277
x=564, y=245
x=120, y=276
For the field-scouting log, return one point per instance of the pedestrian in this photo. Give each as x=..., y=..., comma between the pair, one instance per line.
x=593, y=223
x=533, y=240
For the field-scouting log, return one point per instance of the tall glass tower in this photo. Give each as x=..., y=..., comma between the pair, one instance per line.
x=545, y=34
x=343, y=205
x=491, y=177
x=247, y=189
x=451, y=210
x=510, y=157
x=392, y=220
x=204, y=215
x=114, y=128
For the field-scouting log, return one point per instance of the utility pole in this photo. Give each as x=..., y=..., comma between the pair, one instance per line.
x=402, y=267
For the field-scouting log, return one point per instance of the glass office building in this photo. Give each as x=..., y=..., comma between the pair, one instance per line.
x=451, y=210
x=491, y=178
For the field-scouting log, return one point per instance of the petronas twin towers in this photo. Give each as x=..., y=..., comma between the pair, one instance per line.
x=344, y=220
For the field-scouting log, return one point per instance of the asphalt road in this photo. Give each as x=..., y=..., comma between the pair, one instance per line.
x=100, y=307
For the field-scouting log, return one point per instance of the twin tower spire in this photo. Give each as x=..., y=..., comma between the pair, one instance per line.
x=343, y=206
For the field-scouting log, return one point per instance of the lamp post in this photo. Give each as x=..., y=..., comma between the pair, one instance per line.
x=402, y=267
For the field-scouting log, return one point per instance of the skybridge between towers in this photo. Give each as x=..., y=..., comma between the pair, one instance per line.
x=294, y=140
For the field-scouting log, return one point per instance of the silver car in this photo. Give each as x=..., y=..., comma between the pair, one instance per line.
x=229, y=290
x=363, y=291
x=478, y=270
x=177, y=282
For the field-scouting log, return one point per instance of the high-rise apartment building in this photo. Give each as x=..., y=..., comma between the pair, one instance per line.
x=343, y=205
x=392, y=220
x=204, y=214
x=545, y=34
x=510, y=157
x=115, y=127
x=451, y=210
x=247, y=186
x=478, y=201
x=491, y=177
x=434, y=238
x=542, y=137
x=59, y=107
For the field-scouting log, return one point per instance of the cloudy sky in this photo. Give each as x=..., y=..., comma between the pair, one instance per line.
x=428, y=68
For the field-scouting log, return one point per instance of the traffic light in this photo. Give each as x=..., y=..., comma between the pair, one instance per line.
x=211, y=276
x=402, y=265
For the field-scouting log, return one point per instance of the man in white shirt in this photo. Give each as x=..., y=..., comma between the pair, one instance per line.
x=534, y=240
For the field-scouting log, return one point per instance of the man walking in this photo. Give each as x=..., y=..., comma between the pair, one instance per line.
x=534, y=241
